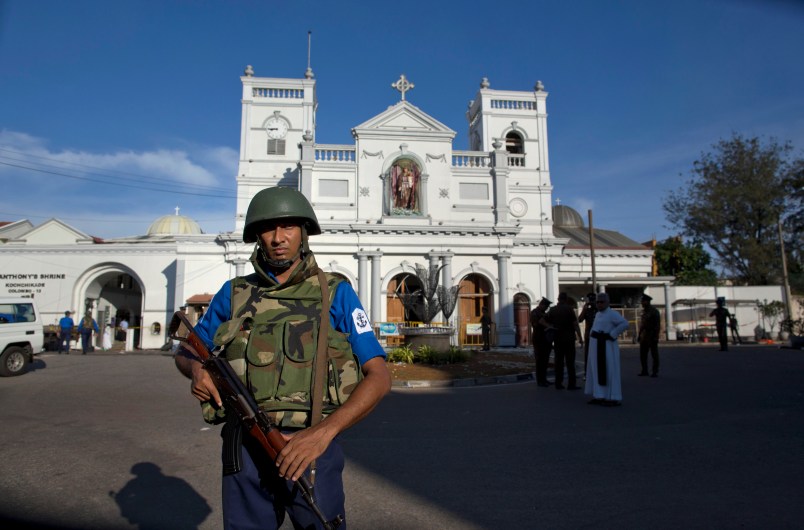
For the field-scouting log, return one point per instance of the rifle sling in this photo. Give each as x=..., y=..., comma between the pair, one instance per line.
x=320, y=370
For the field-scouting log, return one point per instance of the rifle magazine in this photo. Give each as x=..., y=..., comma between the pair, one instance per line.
x=232, y=456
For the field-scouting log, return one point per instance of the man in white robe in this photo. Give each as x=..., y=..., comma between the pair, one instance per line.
x=603, y=381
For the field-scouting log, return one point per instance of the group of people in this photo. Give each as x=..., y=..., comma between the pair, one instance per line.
x=556, y=329
x=86, y=327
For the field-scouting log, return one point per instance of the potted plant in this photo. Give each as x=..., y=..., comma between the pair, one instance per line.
x=795, y=328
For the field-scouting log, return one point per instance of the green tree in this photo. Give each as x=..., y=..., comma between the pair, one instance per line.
x=688, y=262
x=733, y=202
x=793, y=228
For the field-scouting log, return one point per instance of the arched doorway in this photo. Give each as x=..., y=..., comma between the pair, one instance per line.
x=473, y=295
x=112, y=294
x=521, y=320
x=400, y=286
x=403, y=286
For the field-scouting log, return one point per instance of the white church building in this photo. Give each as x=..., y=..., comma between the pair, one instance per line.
x=400, y=195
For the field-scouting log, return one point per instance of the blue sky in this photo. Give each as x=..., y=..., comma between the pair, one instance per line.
x=132, y=99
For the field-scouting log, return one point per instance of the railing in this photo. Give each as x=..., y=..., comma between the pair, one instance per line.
x=283, y=93
x=335, y=153
x=516, y=160
x=512, y=104
x=471, y=159
x=466, y=339
x=396, y=339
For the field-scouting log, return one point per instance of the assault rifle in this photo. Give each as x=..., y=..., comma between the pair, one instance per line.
x=238, y=400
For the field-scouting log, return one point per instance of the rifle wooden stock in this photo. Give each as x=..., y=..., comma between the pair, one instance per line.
x=238, y=400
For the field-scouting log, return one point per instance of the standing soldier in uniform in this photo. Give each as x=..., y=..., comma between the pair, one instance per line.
x=85, y=328
x=563, y=318
x=649, y=329
x=722, y=316
x=541, y=343
x=268, y=326
x=485, y=328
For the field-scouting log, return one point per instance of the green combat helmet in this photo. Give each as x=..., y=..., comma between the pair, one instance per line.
x=279, y=203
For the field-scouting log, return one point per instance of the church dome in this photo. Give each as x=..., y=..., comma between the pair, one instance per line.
x=174, y=225
x=566, y=217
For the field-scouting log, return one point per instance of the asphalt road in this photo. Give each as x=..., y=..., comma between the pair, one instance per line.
x=717, y=441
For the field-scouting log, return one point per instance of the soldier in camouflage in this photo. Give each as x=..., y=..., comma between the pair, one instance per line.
x=267, y=325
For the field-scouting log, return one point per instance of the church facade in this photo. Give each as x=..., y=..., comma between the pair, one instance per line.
x=400, y=196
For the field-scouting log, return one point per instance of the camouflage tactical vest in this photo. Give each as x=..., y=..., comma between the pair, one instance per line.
x=271, y=343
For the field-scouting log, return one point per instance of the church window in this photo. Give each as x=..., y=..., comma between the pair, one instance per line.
x=276, y=147
x=513, y=144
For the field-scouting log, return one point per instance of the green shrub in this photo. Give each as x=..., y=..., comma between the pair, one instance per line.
x=457, y=355
x=403, y=354
x=427, y=355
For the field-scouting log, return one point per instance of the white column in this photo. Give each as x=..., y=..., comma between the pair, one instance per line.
x=362, y=277
x=446, y=272
x=505, y=307
x=668, y=313
x=306, y=166
x=550, y=280
x=500, y=172
x=433, y=257
x=376, y=300
x=240, y=267
x=179, y=296
x=423, y=194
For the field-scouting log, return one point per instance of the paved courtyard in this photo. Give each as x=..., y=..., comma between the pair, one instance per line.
x=717, y=441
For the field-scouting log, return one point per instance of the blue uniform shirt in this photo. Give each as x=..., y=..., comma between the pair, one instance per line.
x=346, y=315
x=66, y=323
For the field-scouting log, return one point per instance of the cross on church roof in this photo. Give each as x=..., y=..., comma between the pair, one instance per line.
x=177, y=210
x=403, y=85
x=558, y=202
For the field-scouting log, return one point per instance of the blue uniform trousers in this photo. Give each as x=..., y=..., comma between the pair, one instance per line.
x=257, y=498
x=86, y=340
x=65, y=336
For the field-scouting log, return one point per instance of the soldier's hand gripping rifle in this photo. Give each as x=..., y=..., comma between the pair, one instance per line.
x=239, y=401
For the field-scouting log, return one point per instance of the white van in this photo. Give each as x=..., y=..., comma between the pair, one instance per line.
x=21, y=334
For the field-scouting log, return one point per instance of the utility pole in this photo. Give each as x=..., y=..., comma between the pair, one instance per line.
x=788, y=298
x=592, y=251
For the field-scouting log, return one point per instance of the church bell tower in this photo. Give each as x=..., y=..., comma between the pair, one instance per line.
x=277, y=115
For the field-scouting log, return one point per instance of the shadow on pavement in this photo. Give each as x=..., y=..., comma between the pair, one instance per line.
x=154, y=500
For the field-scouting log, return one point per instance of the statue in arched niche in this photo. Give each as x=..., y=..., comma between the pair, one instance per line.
x=405, y=179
